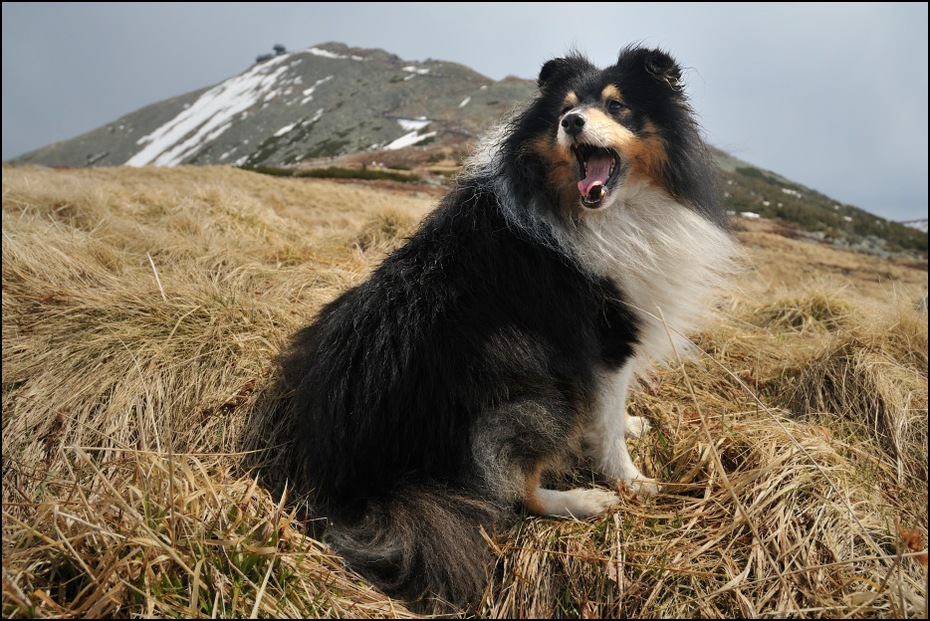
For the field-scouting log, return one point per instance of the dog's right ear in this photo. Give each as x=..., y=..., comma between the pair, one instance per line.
x=550, y=70
x=558, y=67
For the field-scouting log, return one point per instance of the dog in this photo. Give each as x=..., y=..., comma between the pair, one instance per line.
x=578, y=246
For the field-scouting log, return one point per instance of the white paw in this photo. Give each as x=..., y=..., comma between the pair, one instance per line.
x=643, y=485
x=576, y=503
x=593, y=501
x=636, y=426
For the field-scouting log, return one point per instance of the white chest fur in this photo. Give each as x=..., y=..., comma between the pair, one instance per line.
x=666, y=259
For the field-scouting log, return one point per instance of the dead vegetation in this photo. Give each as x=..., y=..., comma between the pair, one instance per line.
x=142, y=310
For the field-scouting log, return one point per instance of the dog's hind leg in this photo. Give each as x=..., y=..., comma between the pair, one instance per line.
x=606, y=436
x=574, y=503
x=511, y=445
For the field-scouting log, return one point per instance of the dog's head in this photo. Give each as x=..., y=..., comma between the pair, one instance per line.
x=597, y=131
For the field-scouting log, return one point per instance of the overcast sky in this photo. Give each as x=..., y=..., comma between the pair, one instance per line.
x=832, y=95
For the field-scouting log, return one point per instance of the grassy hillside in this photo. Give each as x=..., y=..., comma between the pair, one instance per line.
x=748, y=188
x=142, y=309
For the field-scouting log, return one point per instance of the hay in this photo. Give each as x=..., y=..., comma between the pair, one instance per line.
x=386, y=230
x=149, y=534
x=804, y=312
x=872, y=381
x=141, y=313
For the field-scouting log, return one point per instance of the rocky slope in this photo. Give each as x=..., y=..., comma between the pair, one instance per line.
x=324, y=101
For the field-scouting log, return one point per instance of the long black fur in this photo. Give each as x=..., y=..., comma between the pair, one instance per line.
x=474, y=323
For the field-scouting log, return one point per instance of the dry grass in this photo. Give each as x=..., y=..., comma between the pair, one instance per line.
x=142, y=310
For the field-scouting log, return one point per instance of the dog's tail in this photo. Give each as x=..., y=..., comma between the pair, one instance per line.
x=423, y=545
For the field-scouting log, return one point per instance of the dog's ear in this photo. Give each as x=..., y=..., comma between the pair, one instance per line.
x=558, y=67
x=550, y=70
x=663, y=68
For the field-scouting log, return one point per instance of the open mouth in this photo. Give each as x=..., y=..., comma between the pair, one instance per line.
x=598, y=171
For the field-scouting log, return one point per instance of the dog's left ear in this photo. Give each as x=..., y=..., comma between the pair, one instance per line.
x=553, y=69
x=663, y=68
x=550, y=70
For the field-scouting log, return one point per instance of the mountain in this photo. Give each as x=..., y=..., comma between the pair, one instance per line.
x=331, y=104
x=752, y=192
x=327, y=100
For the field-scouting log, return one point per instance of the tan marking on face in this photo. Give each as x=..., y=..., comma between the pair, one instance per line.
x=530, y=500
x=561, y=176
x=602, y=130
x=571, y=100
x=647, y=156
x=611, y=92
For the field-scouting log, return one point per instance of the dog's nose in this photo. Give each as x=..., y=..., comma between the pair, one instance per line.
x=573, y=123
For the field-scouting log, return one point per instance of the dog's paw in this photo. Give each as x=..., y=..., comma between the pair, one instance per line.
x=644, y=486
x=575, y=503
x=636, y=426
x=592, y=501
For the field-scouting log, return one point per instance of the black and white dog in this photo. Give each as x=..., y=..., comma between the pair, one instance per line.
x=578, y=245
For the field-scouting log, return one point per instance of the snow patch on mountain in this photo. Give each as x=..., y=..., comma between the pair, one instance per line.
x=414, y=124
x=308, y=92
x=327, y=54
x=284, y=130
x=208, y=117
x=409, y=139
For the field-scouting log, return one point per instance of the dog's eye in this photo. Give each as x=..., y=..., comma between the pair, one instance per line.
x=615, y=107
x=565, y=110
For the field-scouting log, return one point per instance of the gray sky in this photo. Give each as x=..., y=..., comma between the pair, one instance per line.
x=832, y=95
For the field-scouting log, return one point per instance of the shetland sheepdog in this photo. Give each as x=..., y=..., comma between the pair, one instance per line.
x=577, y=247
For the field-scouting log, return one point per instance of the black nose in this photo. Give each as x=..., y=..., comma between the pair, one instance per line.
x=573, y=123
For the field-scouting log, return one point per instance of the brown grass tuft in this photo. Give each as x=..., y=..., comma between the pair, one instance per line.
x=871, y=380
x=386, y=230
x=142, y=310
x=153, y=535
x=816, y=309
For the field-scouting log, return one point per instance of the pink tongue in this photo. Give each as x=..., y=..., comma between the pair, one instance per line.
x=598, y=170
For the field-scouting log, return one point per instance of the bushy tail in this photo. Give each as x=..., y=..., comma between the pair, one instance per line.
x=423, y=545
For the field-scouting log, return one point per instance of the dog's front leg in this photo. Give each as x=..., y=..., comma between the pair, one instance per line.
x=606, y=438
